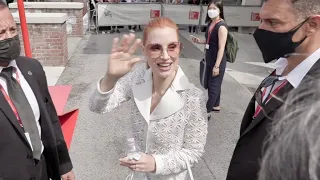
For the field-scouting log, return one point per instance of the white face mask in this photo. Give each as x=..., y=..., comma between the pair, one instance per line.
x=213, y=13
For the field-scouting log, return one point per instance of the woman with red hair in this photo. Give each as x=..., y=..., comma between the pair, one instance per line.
x=168, y=112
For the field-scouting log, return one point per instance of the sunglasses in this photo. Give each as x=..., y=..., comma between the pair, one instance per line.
x=269, y=81
x=156, y=50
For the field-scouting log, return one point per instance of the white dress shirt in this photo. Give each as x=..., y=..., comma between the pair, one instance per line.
x=28, y=92
x=297, y=74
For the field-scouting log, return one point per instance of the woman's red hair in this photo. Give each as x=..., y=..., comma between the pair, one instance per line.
x=160, y=22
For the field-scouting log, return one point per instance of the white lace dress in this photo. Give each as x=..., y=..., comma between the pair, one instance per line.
x=175, y=131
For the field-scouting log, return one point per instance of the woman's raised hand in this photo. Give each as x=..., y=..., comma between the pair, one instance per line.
x=121, y=59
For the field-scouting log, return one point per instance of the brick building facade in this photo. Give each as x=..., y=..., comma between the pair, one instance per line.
x=48, y=37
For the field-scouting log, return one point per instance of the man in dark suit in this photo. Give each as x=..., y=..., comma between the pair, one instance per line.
x=32, y=146
x=289, y=32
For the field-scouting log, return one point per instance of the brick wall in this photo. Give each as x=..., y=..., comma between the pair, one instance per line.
x=48, y=43
x=85, y=5
x=75, y=18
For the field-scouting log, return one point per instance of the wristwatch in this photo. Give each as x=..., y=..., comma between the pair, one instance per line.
x=216, y=67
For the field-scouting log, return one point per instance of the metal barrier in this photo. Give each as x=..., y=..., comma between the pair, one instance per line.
x=141, y=13
x=127, y=13
x=183, y=14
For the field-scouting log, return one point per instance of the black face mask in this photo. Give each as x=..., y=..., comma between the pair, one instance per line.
x=9, y=49
x=274, y=45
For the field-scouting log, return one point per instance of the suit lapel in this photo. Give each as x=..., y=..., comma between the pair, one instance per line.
x=32, y=81
x=5, y=107
x=171, y=101
x=247, y=117
x=273, y=104
x=7, y=111
x=142, y=94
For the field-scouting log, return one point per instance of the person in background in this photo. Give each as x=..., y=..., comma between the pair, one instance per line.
x=163, y=1
x=293, y=152
x=215, y=55
x=192, y=29
x=32, y=145
x=167, y=111
x=113, y=29
x=132, y=28
x=203, y=2
x=177, y=2
x=289, y=33
x=93, y=17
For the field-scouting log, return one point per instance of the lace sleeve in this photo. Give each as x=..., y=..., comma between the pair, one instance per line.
x=194, y=141
x=103, y=102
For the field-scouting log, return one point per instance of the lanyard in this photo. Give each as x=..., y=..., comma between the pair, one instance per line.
x=9, y=99
x=210, y=31
x=259, y=108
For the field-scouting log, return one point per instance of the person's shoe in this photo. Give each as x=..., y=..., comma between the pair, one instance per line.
x=209, y=117
x=132, y=31
x=110, y=31
x=216, y=109
x=117, y=31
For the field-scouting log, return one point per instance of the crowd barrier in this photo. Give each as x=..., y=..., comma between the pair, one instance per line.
x=141, y=13
x=126, y=13
x=182, y=14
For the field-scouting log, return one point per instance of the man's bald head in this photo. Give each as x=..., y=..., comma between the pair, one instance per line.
x=8, y=28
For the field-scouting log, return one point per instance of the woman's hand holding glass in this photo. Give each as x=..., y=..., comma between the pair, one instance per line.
x=146, y=163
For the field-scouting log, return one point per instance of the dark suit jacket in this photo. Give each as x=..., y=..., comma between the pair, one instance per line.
x=245, y=162
x=16, y=160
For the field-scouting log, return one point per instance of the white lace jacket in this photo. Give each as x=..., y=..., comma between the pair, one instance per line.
x=175, y=130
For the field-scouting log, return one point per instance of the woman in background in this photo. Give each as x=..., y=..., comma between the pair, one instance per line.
x=215, y=42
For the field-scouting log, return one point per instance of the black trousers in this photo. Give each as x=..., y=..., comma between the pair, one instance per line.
x=192, y=28
x=41, y=168
x=92, y=17
x=214, y=89
x=133, y=27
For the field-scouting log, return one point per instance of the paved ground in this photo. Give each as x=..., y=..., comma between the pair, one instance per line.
x=96, y=145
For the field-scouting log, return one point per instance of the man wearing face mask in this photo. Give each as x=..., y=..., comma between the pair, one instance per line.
x=31, y=144
x=290, y=34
